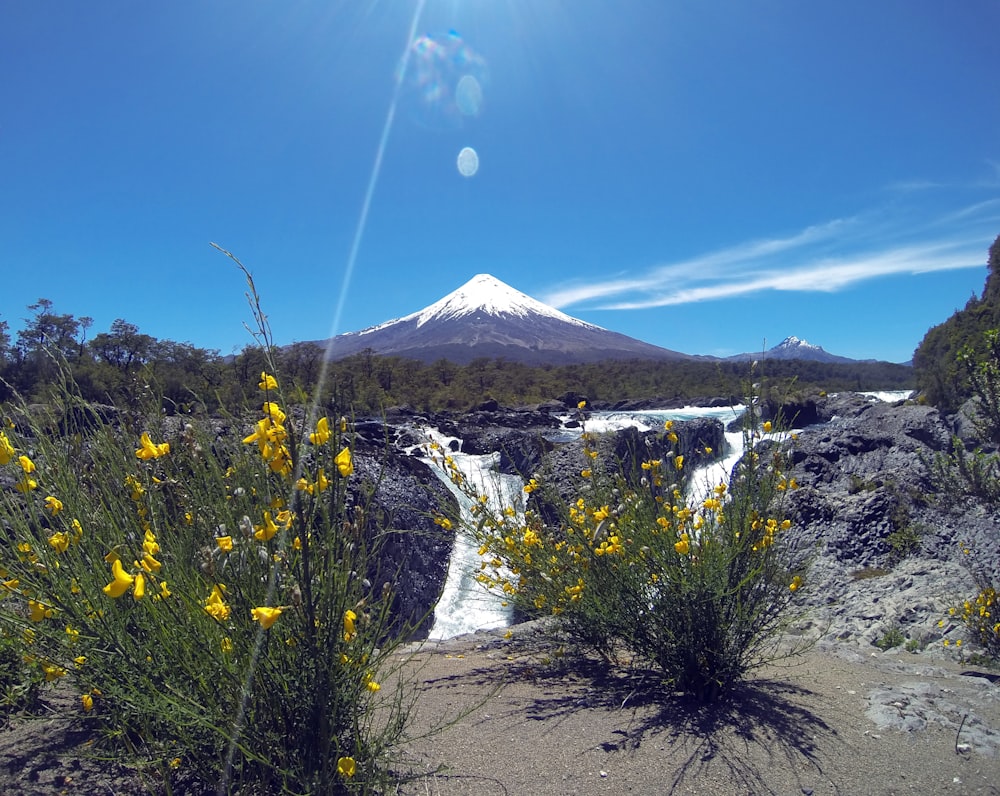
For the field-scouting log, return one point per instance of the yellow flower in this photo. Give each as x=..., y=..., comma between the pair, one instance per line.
x=767, y=426
x=27, y=465
x=585, y=473
x=265, y=532
x=140, y=587
x=121, y=583
x=684, y=545
x=267, y=381
x=322, y=434
x=59, y=541
x=150, y=449
x=149, y=543
x=53, y=504
x=38, y=611
x=6, y=449
x=215, y=606
x=344, y=464
x=88, y=702
x=266, y=616
x=581, y=405
x=225, y=543
x=796, y=583
x=150, y=564
x=53, y=672
x=372, y=686
x=679, y=463
x=346, y=767
x=26, y=484
x=273, y=411
x=349, y=628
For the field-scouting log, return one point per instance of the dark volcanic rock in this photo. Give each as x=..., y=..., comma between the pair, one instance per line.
x=807, y=411
x=623, y=451
x=887, y=551
x=414, y=559
x=517, y=435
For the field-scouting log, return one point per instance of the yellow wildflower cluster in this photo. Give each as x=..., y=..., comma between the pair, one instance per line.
x=7, y=453
x=981, y=617
x=650, y=532
x=236, y=549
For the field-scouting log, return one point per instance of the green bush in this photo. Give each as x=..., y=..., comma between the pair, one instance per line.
x=699, y=592
x=893, y=637
x=208, y=597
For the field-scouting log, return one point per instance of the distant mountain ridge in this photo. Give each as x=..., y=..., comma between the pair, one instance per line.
x=487, y=318
x=794, y=348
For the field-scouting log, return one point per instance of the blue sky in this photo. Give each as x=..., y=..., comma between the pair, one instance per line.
x=709, y=177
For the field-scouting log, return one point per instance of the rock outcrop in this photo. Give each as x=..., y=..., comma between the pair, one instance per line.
x=887, y=551
x=405, y=497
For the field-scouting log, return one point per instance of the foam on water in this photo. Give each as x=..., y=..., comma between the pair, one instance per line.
x=465, y=605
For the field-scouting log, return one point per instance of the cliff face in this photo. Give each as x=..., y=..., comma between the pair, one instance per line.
x=938, y=375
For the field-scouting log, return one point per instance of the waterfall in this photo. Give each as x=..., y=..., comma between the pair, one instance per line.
x=465, y=605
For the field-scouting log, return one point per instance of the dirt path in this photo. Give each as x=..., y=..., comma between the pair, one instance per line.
x=835, y=721
x=521, y=715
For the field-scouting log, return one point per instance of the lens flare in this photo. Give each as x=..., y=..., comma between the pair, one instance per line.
x=468, y=162
x=444, y=81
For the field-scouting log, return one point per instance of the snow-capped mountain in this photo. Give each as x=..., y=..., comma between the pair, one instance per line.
x=488, y=318
x=794, y=348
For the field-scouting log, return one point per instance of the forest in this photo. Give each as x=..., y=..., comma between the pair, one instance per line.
x=123, y=365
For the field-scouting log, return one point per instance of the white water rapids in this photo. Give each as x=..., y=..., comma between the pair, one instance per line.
x=465, y=605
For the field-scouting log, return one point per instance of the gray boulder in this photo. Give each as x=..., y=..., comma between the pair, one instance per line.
x=887, y=550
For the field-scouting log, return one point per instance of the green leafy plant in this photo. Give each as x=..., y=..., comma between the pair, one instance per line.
x=215, y=601
x=964, y=474
x=699, y=592
x=893, y=637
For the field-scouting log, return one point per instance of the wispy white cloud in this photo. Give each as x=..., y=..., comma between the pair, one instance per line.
x=824, y=258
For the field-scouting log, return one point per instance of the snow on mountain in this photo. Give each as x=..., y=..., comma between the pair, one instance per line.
x=487, y=294
x=794, y=348
x=488, y=318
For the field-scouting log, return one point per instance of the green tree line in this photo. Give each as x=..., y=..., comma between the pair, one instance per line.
x=941, y=376
x=123, y=365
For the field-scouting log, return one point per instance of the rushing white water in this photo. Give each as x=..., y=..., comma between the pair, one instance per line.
x=889, y=396
x=465, y=605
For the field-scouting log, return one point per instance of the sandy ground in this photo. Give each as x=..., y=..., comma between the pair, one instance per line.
x=524, y=715
x=516, y=717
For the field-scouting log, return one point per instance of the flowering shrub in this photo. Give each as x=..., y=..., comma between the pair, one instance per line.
x=962, y=475
x=698, y=591
x=981, y=617
x=207, y=597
